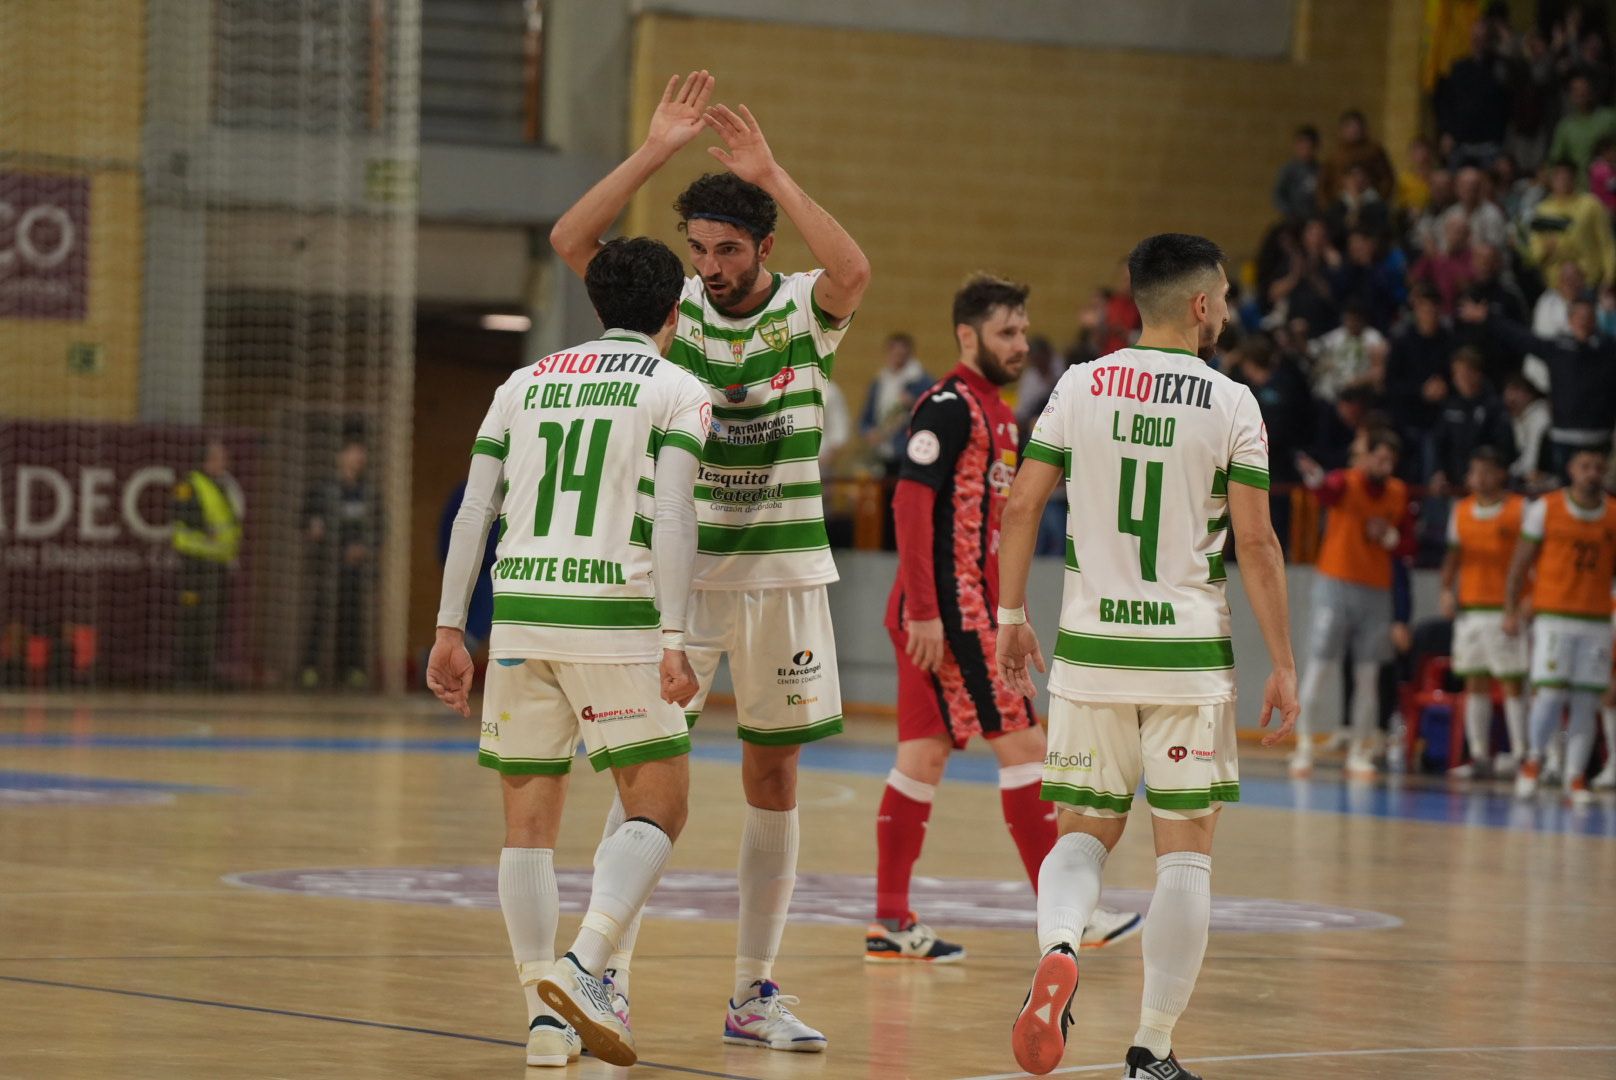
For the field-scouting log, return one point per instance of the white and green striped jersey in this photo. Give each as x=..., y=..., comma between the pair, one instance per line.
x=578, y=433
x=759, y=511
x=1150, y=440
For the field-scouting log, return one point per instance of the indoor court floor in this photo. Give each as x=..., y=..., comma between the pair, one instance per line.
x=304, y=887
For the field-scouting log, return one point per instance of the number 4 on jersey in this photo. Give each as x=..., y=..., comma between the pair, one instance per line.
x=563, y=446
x=1147, y=526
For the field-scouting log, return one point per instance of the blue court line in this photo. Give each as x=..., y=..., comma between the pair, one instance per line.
x=263, y=1010
x=1415, y=801
x=17, y=780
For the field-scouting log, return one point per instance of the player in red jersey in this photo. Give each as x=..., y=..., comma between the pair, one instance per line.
x=956, y=473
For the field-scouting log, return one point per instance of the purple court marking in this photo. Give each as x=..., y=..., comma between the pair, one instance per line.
x=72, y=796
x=824, y=899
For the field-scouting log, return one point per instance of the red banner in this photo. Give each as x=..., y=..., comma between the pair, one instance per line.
x=44, y=245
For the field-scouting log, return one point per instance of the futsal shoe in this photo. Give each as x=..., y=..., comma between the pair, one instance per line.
x=915, y=941
x=1360, y=767
x=1526, y=778
x=1107, y=927
x=1147, y=1066
x=1606, y=780
x=1301, y=764
x=551, y=1043
x=618, y=999
x=582, y=1001
x=763, y=1020
x=1039, y=1035
x=1577, y=792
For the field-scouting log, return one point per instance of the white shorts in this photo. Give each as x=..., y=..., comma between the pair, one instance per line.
x=535, y=710
x=1571, y=654
x=1186, y=753
x=782, y=659
x=1480, y=646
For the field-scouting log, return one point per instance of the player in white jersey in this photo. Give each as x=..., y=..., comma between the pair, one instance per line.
x=763, y=344
x=591, y=596
x=1161, y=455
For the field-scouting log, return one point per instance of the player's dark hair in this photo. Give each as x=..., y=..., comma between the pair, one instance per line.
x=633, y=283
x=981, y=293
x=1385, y=437
x=727, y=198
x=1167, y=263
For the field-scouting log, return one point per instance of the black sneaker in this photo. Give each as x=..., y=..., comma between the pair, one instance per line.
x=1039, y=1035
x=1147, y=1066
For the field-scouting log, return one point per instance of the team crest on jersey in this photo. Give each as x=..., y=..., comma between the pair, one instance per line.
x=735, y=393
x=737, y=349
x=783, y=378
x=775, y=334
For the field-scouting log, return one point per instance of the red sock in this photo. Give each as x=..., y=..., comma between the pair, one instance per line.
x=1031, y=821
x=900, y=830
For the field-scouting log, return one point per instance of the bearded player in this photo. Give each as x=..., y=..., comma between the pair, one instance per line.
x=763, y=345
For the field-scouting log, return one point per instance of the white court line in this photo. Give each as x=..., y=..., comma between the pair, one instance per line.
x=840, y=795
x=1110, y=1066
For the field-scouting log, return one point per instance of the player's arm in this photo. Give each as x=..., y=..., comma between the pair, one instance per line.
x=449, y=669
x=847, y=272
x=673, y=561
x=1450, y=567
x=1018, y=644
x=677, y=120
x=1520, y=565
x=1262, y=571
x=938, y=431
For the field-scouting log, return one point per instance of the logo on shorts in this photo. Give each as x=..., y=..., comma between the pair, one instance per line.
x=803, y=659
x=803, y=668
x=491, y=728
x=1204, y=755
x=1082, y=761
x=735, y=393
x=1178, y=753
x=605, y=716
x=798, y=699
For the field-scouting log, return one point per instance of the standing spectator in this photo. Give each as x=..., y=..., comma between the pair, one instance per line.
x=1355, y=147
x=1283, y=397
x=1471, y=417
x=1529, y=422
x=1363, y=276
x=1447, y=267
x=1534, y=102
x=1584, y=124
x=1571, y=226
x=1416, y=366
x=342, y=523
x=891, y=397
x=1339, y=424
x=1485, y=221
x=1602, y=173
x=1414, y=182
x=1038, y=378
x=1353, y=354
x=1551, y=318
x=1359, y=207
x=1297, y=185
x=1472, y=102
x=1119, y=316
x=208, y=508
x=838, y=428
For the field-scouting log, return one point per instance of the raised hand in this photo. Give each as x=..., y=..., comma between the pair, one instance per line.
x=749, y=156
x=678, y=116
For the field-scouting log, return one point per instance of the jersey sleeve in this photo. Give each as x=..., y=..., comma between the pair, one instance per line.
x=827, y=333
x=1533, y=520
x=938, y=432
x=1453, y=526
x=1248, y=443
x=494, y=435
x=690, y=415
x=1050, y=439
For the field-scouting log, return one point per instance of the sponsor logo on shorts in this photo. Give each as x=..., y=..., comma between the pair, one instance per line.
x=1204, y=755
x=1082, y=761
x=606, y=716
x=804, y=668
x=798, y=699
x=803, y=659
x=1178, y=753
x=491, y=728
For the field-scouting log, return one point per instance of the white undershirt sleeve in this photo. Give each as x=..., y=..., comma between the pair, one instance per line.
x=467, y=537
x=673, y=535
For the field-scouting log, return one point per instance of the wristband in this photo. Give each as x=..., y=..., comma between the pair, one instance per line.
x=1013, y=616
x=673, y=640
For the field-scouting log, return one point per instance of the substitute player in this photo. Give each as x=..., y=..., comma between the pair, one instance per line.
x=585, y=609
x=1570, y=536
x=1161, y=454
x=763, y=344
x=959, y=460
x=1482, y=531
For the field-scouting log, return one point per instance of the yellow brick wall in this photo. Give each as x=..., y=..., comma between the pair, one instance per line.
x=943, y=156
x=72, y=87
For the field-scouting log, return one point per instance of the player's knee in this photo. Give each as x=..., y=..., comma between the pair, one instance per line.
x=770, y=776
x=670, y=819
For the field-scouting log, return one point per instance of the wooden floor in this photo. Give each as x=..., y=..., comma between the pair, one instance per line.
x=138, y=937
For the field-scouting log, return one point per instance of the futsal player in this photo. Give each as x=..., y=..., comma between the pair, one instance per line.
x=1164, y=454
x=1569, y=535
x=589, y=626
x=1483, y=528
x=763, y=345
x=952, y=482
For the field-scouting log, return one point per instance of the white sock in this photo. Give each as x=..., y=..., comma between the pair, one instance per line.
x=1174, y=943
x=1580, y=734
x=1608, y=716
x=1068, y=890
x=623, y=955
x=1478, y=724
x=531, y=905
x=628, y=865
x=766, y=875
x=1312, y=699
x=1365, y=704
x=1515, y=721
x=1547, y=704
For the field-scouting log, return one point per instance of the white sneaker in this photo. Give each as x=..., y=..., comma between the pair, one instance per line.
x=1301, y=765
x=1505, y=765
x=1107, y=927
x=618, y=998
x=917, y=941
x=764, y=1021
x=552, y=1044
x=1361, y=767
x=1606, y=780
x=582, y=1001
x=1526, y=779
x=1340, y=739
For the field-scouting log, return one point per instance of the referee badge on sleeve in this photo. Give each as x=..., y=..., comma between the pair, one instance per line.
x=924, y=448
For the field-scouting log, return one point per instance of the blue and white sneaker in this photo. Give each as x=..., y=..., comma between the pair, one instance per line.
x=551, y=1043
x=764, y=1021
x=1107, y=927
x=915, y=941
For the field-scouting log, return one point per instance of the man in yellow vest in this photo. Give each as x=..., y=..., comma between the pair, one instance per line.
x=207, y=538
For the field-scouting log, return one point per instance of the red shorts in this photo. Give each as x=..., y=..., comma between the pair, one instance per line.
x=962, y=698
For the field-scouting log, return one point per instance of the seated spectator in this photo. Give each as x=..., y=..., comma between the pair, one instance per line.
x=1354, y=147
x=1509, y=188
x=1551, y=318
x=1485, y=220
x=1602, y=173
x=1414, y=181
x=1338, y=423
x=1472, y=101
x=1038, y=379
x=884, y=421
x=1359, y=207
x=1416, y=366
x=1297, y=185
x=1364, y=277
x=1447, y=267
x=1571, y=226
x=1529, y=423
x=1353, y=354
x=1305, y=289
x=1471, y=416
x=1584, y=124
x=1424, y=232
x=1282, y=394
x=1491, y=283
